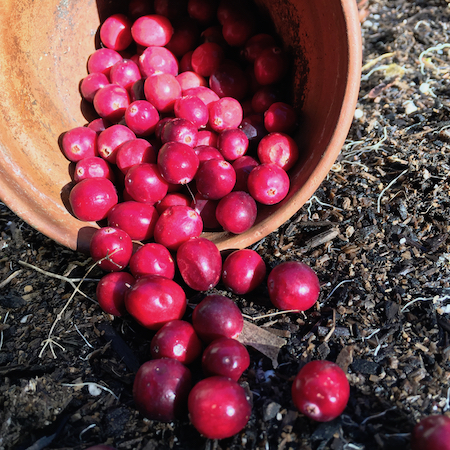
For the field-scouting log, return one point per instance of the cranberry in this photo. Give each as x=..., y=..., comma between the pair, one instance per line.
x=218, y=407
x=185, y=37
x=185, y=62
x=200, y=263
x=137, y=219
x=207, y=210
x=99, y=125
x=160, y=125
x=256, y=44
x=92, y=198
x=207, y=137
x=214, y=34
x=243, y=271
x=138, y=8
x=271, y=65
x=113, y=244
x=125, y=73
x=92, y=167
x=268, y=184
x=431, y=433
x=177, y=162
x=171, y=199
x=321, y=390
x=137, y=90
x=141, y=117
x=206, y=152
x=293, y=285
x=204, y=11
x=171, y=8
x=102, y=60
x=111, y=101
x=278, y=148
x=161, y=388
x=243, y=166
x=192, y=108
x=91, y=84
x=237, y=30
x=176, y=225
x=115, y=32
x=110, y=140
x=229, y=80
x=280, y=117
x=181, y=131
x=215, y=179
x=111, y=290
x=177, y=340
x=162, y=91
x=154, y=300
x=205, y=94
x=144, y=183
x=225, y=113
x=158, y=60
x=236, y=212
x=134, y=151
x=79, y=143
x=226, y=357
x=152, y=259
x=152, y=30
x=217, y=316
x=253, y=127
x=189, y=79
x=263, y=98
x=207, y=58
x=232, y=143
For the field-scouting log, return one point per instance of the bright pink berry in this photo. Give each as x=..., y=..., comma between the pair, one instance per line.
x=115, y=32
x=154, y=300
x=236, y=212
x=206, y=152
x=172, y=199
x=280, y=117
x=177, y=340
x=79, y=143
x=192, y=108
x=321, y=390
x=156, y=61
x=152, y=259
x=92, y=167
x=232, y=143
x=177, y=162
x=102, y=60
x=152, y=30
x=141, y=117
x=293, y=285
x=111, y=290
x=162, y=90
x=268, y=184
x=91, y=84
x=189, y=79
x=225, y=113
x=179, y=130
x=99, y=125
x=279, y=149
x=111, y=101
x=207, y=58
x=110, y=140
x=431, y=433
x=144, y=183
x=215, y=179
x=134, y=151
x=125, y=73
x=207, y=137
x=218, y=407
x=205, y=94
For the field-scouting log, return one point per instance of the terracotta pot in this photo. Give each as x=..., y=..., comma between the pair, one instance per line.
x=44, y=47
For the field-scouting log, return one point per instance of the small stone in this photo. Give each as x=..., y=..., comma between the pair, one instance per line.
x=271, y=410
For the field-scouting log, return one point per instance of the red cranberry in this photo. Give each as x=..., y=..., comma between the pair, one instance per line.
x=207, y=137
x=204, y=11
x=91, y=84
x=229, y=80
x=91, y=199
x=226, y=357
x=185, y=62
x=177, y=162
x=125, y=73
x=207, y=210
x=200, y=263
x=271, y=65
x=189, y=79
x=243, y=166
x=144, y=183
x=207, y=58
x=321, y=390
x=236, y=212
x=215, y=179
x=253, y=127
x=152, y=259
x=112, y=247
x=134, y=151
x=79, y=143
x=110, y=140
x=92, y=167
x=176, y=225
x=99, y=125
x=111, y=101
x=217, y=316
x=205, y=94
x=115, y=32
x=161, y=388
x=280, y=117
x=102, y=60
x=268, y=184
x=243, y=271
x=232, y=143
x=137, y=219
x=293, y=285
x=185, y=37
x=154, y=300
x=256, y=44
x=279, y=149
x=263, y=98
x=158, y=60
x=171, y=9
x=181, y=131
x=237, y=30
x=218, y=407
x=206, y=152
x=431, y=433
x=177, y=340
x=214, y=34
x=137, y=90
x=162, y=91
x=172, y=199
x=225, y=113
x=192, y=108
x=141, y=117
x=138, y=8
x=111, y=290
x=152, y=30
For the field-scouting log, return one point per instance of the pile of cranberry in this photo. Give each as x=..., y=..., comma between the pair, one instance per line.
x=192, y=134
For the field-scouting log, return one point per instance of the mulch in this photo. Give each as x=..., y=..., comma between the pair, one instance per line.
x=376, y=232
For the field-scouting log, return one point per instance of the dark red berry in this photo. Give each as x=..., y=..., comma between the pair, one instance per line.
x=111, y=290
x=236, y=212
x=152, y=259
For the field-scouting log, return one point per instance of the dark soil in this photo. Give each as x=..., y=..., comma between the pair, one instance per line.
x=376, y=232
